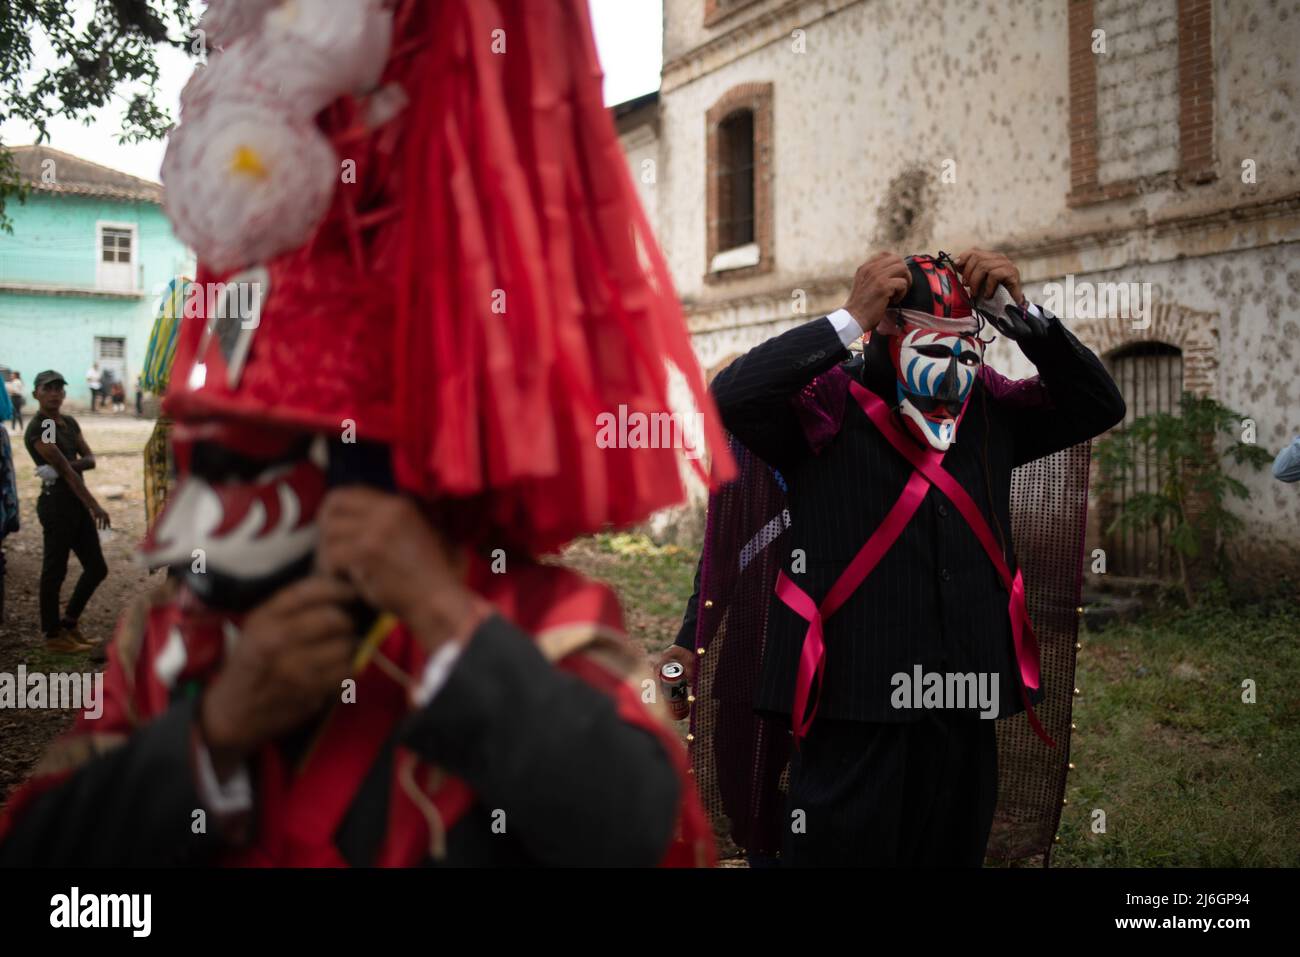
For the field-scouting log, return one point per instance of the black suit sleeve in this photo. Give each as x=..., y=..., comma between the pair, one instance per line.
x=686, y=634
x=578, y=785
x=131, y=806
x=753, y=393
x=1085, y=401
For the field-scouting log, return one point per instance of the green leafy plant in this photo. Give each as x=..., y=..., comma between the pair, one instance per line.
x=1188, y=453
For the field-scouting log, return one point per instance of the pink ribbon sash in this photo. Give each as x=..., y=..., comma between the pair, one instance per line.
x=928, y=471
x=812, y=658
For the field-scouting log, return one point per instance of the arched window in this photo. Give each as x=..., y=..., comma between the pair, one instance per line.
x=1150, y=377
x=736, y=180
x=739, y=182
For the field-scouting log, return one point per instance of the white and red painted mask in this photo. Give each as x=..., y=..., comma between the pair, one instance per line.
x=241, y=520
x=935, y=350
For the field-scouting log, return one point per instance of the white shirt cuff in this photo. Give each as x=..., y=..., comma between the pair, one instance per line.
x=436, y=672
x=233, y=797
x=846, y=327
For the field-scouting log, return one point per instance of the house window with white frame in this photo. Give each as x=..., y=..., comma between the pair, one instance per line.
x=115, y=264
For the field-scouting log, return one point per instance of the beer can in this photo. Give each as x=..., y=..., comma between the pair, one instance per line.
x=672, y=677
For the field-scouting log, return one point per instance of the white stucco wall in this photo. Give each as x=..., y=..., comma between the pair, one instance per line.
x=872, y=95
x=641, y=147
x=873, y=88
x=1253, y=299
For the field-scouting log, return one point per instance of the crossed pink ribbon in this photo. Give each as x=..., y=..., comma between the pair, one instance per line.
x=928, y=471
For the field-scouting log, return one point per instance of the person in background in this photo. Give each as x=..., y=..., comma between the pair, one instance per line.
x=95, y=381
x=1286, y=467
x=14, y=389
x=6, y=398
x=8, y=497
x=139, y=396
x=70, y=516
x=106, y=383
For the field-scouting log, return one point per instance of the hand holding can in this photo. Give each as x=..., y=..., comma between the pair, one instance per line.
x=672, y=678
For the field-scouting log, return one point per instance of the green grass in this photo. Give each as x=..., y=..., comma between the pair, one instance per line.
x=1187, y=774
x=40, y=659
x=659, y=578
x=653, y=582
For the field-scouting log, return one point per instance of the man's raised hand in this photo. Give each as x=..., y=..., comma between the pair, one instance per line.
x=398, y=562
x=293, y=653
x=879, y=282
x=983, y=271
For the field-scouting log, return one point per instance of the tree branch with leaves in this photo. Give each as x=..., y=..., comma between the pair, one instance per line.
x=98, y=48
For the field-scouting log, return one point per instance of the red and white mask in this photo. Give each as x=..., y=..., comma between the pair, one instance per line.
x=241, y=521
x=935, y=350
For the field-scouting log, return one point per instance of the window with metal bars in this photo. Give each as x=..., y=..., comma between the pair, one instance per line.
x=109, y=348
x=736, y=180
x=1150, y=377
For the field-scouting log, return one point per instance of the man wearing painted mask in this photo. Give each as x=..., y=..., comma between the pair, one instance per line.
x=899, y=556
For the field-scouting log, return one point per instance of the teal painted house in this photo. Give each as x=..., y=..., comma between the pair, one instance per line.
x=91, y=252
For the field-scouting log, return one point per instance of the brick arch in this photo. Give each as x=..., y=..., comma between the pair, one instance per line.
x=1194, y=333
x=757, y=99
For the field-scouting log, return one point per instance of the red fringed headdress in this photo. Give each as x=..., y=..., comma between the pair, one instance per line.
x=483, y=286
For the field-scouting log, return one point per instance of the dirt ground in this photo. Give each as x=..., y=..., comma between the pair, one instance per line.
x=117, y=481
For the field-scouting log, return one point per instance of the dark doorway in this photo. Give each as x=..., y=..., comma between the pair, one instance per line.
x=1150, y=377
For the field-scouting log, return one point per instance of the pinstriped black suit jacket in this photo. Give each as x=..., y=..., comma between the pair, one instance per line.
x=934, y=600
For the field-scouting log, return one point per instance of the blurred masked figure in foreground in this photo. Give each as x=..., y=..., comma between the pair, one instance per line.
x=423, y=279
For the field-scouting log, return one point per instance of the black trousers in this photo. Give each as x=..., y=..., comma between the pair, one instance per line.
x=68, y=527
x=919, y=794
